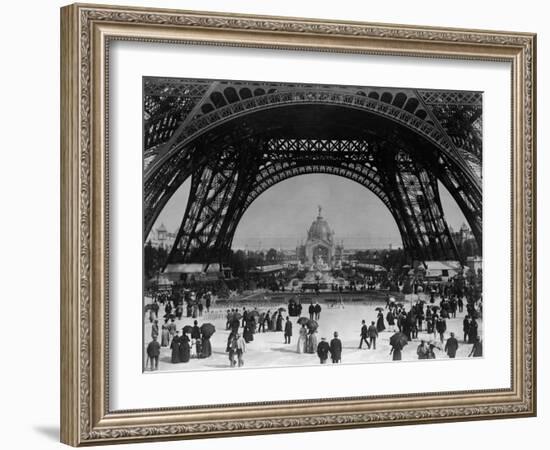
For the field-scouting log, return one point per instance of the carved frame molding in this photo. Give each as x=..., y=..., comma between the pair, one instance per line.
x=86, y=31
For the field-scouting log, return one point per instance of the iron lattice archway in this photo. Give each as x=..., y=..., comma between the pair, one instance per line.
x=393, y=143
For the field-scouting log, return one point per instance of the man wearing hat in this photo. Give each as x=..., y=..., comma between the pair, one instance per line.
x=317, y=310
x=323, y=350
x=194, y=304
x=451, y=346
x=196, y=336
x=153, y=353
x=288, y=330
x=236, y=347
x=364, y=333
x=422, y=350
x=336, y=349
x=311, y=311
x=477, y=348
x=372, y=331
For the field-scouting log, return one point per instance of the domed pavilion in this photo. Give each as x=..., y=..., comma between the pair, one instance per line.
x=320, y=244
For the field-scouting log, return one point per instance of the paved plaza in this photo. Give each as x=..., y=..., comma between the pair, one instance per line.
x=268, y=349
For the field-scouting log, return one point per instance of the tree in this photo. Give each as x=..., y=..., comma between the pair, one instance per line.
x=239, y=263
x=407, y=286
x=272, y=255
x=154, y=259
x=221, y=289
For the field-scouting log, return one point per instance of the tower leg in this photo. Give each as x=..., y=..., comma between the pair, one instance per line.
x=415, y=196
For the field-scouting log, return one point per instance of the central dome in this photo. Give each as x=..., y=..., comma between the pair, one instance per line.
x=320, y=230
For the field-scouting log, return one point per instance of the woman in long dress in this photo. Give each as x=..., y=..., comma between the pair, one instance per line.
x=165, y=335
x=396, y=351
x=380, y=323
x=248, y=335
x=206, y=347
x=301, y=346
x=273, y=323
x=184, y=351
x=175, y=347
x=312, y=342
x=279, y=322
x=155, y=329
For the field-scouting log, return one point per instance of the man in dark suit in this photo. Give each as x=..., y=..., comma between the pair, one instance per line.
x=373, y=334
x=317, y=310
x=195, y=331
x=451, y=346
x=477, y=348
x=288, y=330
x=322, y=350
x=153, y=353
x=311, y=311
x=466, y=327
x=336, y=349
x=364, y=334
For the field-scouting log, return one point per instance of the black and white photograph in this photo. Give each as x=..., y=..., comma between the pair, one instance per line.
x=292, y=224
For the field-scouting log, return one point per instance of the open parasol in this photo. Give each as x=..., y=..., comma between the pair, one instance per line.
x=282, y=309
x=379, y=308
x=253, y=313
x=312, y=325
x=187, y=329
x=207, y=330
x=303, y=320
x=399, y=339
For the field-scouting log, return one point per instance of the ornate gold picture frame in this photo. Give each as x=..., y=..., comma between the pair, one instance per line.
x=86, y=34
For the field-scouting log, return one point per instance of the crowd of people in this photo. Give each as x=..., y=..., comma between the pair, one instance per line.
x=192, y=342
x=254, y=321
x=406, y=326
x=434, y=316
x=406, y=322
x=178, y=304
x=410, y=323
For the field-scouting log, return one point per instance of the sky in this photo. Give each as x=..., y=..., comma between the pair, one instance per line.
x=281, y=216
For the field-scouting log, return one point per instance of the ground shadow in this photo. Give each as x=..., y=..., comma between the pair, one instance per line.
x=351, y=347
x=219, y=366
x=51, y=432
x=284, y=349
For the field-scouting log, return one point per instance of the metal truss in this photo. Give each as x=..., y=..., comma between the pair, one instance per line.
x=415, y=194
x=401, y=107
x=459, y=114
x=167, y=102
x=233, y=157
